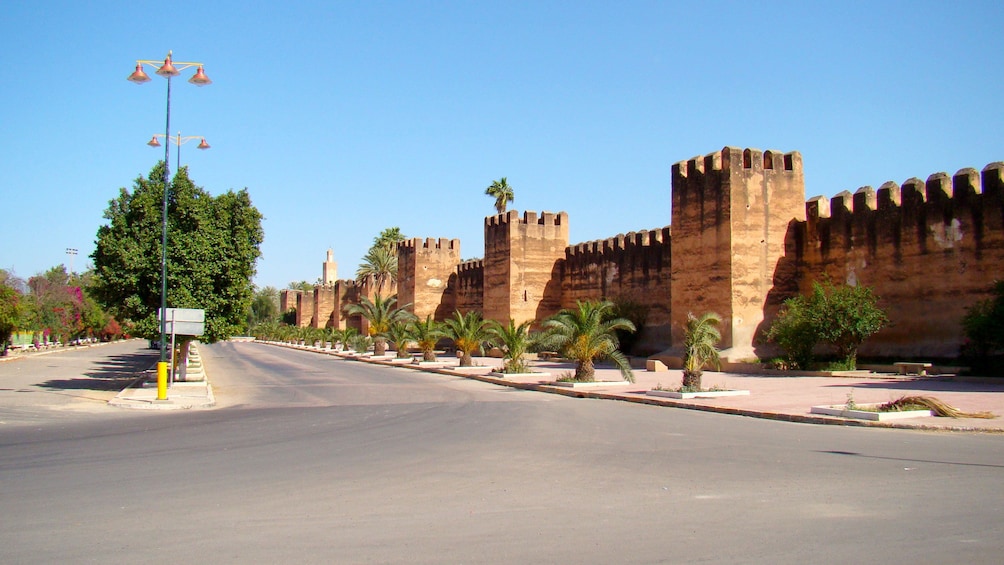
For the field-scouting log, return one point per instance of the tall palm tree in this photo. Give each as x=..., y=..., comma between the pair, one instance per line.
x=699, y=343
x=585, y=334
x=381, y=314
x=427, y=334
x=502, y=193
x=380, y=264
x=514, y=341
x=468, y=332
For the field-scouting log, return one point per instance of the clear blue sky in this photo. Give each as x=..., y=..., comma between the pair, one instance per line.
x=343, y=118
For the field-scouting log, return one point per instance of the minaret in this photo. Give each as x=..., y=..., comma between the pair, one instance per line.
x=330, y=274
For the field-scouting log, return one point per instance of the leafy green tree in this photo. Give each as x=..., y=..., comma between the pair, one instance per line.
x=502, y=193
x=795, y=332
x=264, y=306
x=587, y=334
x=381, y=313
x=983, y=325
x=840, y=315
x=468, y=331
x=426, y=334
x=303, y=286
x=515, y=341
x=699, y=343
x=213, y=245
x=10, y=315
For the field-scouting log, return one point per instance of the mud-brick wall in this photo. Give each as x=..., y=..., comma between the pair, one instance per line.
x=287, y=299
x=522, y=272
x=324, y=306
x=928, y=249
x=305, y=309
x=469, y=281
x=633, y=267
x=424, y=271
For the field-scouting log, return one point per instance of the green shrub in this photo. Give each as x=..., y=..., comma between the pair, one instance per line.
x=840, y=315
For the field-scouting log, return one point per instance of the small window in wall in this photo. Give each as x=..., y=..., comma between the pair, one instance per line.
x=747, y=159
x=788, y=165
x=768, y=160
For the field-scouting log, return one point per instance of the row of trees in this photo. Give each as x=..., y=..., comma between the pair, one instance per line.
x=54, y=306
x=586, y=334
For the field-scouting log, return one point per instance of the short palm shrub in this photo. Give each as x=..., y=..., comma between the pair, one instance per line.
x=699, y=349
x=515, y=342
x=399, y=335
x=426, y=334
x=468, y=331
x=586, y=334
x=381, y=314
x=360, y=343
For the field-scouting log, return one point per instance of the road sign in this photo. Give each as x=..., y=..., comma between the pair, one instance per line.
x=185, y=321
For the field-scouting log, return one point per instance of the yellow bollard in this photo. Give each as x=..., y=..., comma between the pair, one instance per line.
x=162, y=380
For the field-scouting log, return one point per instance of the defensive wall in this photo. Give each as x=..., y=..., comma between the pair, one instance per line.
x=743, y=238
x=929, y=249
x=635, y=267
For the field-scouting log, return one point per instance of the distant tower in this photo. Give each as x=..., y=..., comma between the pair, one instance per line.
x=330, y=274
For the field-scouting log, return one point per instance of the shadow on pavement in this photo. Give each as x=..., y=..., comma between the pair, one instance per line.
x=933, y=384
x=109, y=374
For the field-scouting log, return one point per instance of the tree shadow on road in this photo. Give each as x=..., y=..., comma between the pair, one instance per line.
x=108, y=374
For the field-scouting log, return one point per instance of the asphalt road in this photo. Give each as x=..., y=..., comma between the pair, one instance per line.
x=312, y=459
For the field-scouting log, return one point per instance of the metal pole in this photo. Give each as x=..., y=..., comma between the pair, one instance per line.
x=178, y=168
x=163, y=242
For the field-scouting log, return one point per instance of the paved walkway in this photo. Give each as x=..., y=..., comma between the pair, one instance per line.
x=787, y=398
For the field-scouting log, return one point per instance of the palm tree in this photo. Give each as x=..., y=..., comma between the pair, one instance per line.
x=380, y=264
x=467, y=331
x=381, y=314
x=399, y=335
x=585, y=334
x=343, y=336
x=502, y=193
x=514, y=341
x=427, y=334
x=699, y=348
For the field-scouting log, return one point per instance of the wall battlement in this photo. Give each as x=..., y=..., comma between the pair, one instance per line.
x=620, y=242
x=736, y=159
x=940, y=188
x=529, y=217
x=471, y=265
x=935, y=214
x=430, y=243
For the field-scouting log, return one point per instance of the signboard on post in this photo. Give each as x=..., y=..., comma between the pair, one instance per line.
x=185, y=321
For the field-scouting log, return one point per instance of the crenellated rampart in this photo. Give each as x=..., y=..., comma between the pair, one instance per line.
x=743, y=239
x=929, y=249
x=631, y=267
x=470, y=286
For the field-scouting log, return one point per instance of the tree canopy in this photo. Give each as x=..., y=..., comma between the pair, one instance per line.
x=213, y=246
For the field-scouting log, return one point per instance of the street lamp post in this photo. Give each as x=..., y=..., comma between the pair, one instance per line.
x=178, y=141
x=167, y=69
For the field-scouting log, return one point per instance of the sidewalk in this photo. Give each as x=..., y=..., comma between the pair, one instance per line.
x=196, y=392
x=787, y=398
